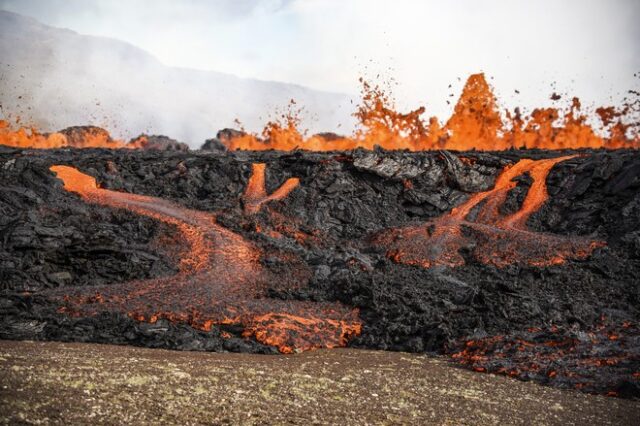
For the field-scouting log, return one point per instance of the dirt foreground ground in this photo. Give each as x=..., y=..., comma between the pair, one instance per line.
x=64, y=383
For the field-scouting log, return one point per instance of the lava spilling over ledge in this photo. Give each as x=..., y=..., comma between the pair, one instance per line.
x=256, y=195
x=221, y=281
x=491, y=237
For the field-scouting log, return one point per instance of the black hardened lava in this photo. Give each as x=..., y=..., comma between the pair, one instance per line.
x=507, y=320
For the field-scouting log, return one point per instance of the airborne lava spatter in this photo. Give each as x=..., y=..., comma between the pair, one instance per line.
x=498, y=240
x=221, y=281
x=476, y=123
x=73, y=137
x=230, y=286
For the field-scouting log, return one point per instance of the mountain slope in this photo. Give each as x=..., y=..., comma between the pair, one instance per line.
x=54, y=78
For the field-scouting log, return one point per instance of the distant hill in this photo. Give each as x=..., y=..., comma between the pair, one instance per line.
x=55, y=78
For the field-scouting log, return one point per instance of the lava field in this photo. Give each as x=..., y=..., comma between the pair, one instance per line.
x=518, y=262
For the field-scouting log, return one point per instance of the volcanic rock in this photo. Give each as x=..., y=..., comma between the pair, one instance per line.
x=158, y=143
x=213, y=144
x=320, y=236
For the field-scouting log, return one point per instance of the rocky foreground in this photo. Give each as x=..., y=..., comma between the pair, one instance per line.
x=72, y=383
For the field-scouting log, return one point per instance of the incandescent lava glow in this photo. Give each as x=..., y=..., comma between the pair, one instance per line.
x=73, y=137
x=220, y=282
x=255, y=194
x=490, y=237
x=548, y=354
x=476, y=123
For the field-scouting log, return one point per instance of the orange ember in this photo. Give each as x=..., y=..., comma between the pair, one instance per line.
x=221, y=280
x=491, y=237
x=476, y=123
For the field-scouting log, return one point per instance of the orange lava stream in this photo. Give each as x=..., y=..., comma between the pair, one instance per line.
x=491, y=237
x=255, y=194
x=221, y=281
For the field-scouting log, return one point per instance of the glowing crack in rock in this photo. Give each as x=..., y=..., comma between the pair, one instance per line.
x=220, y=281
x=491, y=238
x=255, y=194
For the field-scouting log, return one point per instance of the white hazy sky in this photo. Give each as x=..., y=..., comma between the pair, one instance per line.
x=590, y=48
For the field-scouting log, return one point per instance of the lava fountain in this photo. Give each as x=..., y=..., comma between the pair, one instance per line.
x=476, y=123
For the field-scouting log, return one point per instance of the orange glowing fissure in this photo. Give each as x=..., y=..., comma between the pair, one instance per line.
x=476, y=123
x=491, y=237
x=221, y=280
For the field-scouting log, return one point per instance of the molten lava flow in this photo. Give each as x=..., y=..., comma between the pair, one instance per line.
x=74, y=137
x=491, y=237
x=476, y=123
x=286, y=331
x=570, y=359
x=221, y=281
x=255, y=194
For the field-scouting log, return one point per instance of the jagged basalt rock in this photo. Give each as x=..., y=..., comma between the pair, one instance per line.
x=77, y=136
x=213, y=144
x=158, y=142
x=50, y=240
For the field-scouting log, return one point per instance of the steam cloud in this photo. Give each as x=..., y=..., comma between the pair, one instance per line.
x=587, y=48
x=56, y=78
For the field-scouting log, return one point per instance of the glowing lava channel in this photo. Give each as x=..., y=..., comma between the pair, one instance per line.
x=221, y=281
x=491, y=238
x=256, y=194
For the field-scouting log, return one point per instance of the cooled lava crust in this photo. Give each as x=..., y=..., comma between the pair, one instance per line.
x=523, y=263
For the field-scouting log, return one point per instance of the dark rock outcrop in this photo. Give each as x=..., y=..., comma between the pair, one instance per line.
x=50, y=238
